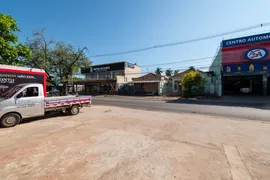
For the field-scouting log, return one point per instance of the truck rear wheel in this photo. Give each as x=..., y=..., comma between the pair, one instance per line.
x=74, y=110
x=10, y=120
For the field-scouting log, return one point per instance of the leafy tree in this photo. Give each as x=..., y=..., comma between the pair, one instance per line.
x=192, y=82
x=176, y=72
x=59, y=60
x=192, y=68
x=169, y=72
x=11, y=51
x=159, y=71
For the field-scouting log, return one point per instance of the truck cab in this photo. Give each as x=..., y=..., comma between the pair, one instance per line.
x=22, y=101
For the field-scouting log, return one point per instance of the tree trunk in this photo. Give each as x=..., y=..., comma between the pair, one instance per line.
x=64, y=89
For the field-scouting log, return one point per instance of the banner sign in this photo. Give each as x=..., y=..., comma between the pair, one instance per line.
x=246, y=54
x=254, y=54
x=105, y=67
x=259, y=38
x=248, y=67
x=10, y=79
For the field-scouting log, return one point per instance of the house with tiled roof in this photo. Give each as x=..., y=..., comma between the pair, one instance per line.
x=176, y=80
x=151, y=84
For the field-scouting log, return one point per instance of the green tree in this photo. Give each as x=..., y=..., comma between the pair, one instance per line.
x=176, y=72
x=158, y=71
x=192, y=68
x=59, y=60
x=169, y=72
x=11, y=51
x=192, y=83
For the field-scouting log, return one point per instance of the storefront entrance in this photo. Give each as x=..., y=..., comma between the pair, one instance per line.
x=96, y=87
x=243, y=85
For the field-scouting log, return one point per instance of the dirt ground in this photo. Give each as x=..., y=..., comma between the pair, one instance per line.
x=104, y=143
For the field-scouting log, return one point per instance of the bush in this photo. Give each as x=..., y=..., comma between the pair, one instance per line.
x=187, y=93
x=193, y=84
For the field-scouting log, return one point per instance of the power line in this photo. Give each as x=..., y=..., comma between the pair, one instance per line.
x=182, y=42
x=176, y=68
x=176, y=62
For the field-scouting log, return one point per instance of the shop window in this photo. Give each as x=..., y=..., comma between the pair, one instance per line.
x=29, y=92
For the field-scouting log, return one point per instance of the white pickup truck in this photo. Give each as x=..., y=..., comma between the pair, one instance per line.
x=27, y=100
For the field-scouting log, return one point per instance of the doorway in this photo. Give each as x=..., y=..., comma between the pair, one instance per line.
x=243, y=85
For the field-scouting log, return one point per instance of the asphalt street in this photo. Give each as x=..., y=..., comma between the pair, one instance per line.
x=239, y=111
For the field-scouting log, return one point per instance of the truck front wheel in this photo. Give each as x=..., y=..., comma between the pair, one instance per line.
x=10, y=120
x=74, y=110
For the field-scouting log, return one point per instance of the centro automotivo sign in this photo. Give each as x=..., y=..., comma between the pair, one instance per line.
x=246, y=40
x=256, y=54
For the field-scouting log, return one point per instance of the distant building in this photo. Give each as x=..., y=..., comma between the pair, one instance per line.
x=151, y=84
x=176, y=80
x=105, y=78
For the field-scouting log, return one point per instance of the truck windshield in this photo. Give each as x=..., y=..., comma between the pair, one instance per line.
x=12, y=91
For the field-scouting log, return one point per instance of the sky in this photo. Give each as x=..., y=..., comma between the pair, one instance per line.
x=109, y=26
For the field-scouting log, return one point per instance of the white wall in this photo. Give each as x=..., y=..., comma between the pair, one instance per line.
x=132, y=73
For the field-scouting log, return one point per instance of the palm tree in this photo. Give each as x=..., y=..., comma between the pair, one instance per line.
x=175, y=72
x=158, y=71
x=169, y=72
x=192, y=68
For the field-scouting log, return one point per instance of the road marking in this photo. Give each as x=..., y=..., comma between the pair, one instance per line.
x=237, y=167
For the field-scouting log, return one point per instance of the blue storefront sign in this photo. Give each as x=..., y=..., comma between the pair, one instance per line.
x=246, y=40
x=247, y=68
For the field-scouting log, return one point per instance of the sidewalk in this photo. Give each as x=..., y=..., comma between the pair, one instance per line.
x=157, y=98
x=260, y=102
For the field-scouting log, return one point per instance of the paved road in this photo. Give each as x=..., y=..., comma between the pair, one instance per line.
x=252, y=111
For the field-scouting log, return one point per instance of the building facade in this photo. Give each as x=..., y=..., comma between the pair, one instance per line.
x=177, y=89
x=246, y=65
x=215, y=68
x=151, y=84
x=105, y=78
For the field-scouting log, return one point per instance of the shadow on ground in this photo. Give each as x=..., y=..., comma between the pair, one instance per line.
x=49, y=115
x=217, y=102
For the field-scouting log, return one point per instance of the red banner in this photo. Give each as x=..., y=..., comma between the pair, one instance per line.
x=243, y=54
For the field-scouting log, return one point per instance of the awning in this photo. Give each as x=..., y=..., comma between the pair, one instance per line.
x=136, y=82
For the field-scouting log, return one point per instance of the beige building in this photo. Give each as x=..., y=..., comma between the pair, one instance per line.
x=108, y=78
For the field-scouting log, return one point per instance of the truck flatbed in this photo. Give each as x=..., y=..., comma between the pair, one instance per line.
x=52, y=102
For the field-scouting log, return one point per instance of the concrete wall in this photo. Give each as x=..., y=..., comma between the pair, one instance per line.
x=132, y=73
x=207, y=84
x=217, y=78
